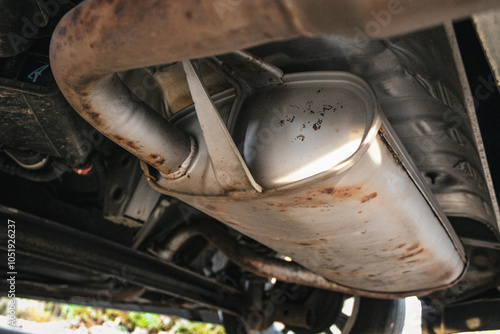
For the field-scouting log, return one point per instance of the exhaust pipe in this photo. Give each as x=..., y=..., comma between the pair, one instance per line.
x=99, y=38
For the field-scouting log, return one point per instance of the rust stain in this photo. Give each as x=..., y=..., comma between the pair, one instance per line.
x=305, y=243
x=97, y=121
x=133, y=145
x=327, y=107
x=413, y=247
x=368, y=197
x=118, y=138
x=321, y=198
x=408, y=255
x=156, y=159
x=415, y=261
x=76, y=15
x=330, y=190
x=395, y=159
x=301, y=137
x=316, y=126
x=87, y=107
x=342, y=192
x=299, y=202
x=119, y=8
x=400, y=246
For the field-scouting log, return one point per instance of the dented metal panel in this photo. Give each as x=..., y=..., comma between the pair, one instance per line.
x=339, y=200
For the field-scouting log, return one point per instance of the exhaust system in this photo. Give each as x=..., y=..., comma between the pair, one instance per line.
x=203, y=167
x=98, y=38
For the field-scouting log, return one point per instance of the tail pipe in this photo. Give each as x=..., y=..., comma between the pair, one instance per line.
x=98, y=39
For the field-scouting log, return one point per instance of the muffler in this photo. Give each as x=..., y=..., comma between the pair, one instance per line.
x=331, y=185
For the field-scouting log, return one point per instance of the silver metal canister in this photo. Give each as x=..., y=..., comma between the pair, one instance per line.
x=340, y=195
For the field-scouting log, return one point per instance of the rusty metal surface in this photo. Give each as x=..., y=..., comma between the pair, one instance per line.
x=390, y=138
x=99, y=38
x=352, y=233
x=371, y=244
x=256, y=263
x=361, y=223
x=199, y=178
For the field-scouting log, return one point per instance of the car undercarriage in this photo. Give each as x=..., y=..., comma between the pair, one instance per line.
x=254, y=162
